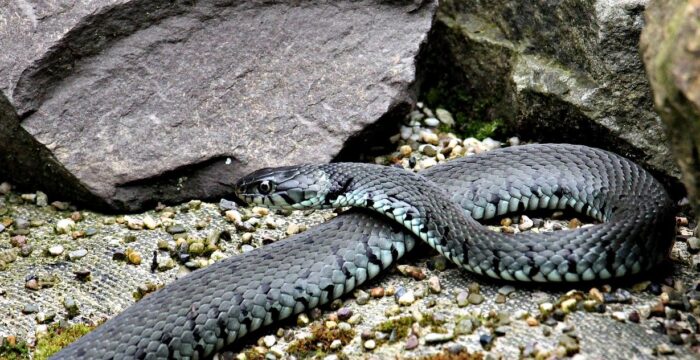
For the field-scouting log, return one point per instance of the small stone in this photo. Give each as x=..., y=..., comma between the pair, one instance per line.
x=525, y=223
x=596, y=295
x=295, y=228
x=500, y=331
x=370, y=344
x=570, y=344
x=302, y=320
x=375, y=292
x=432, y=338
x=56, y=250
x=65, y=226
x=434, y=285
x=361, y=297
x=336, y=344
x=344, y=313
x=30, y=309
x=664, y=349
x=430, y=137
x=60, y=205
x=5, y=188
x=575, y=223
x=407, y=298
x=133, y=223
x=506, y=290
x=444, y=116
x=619, y=316
x=196, y=248
x=475, y=299
x=412, y=271
x=485, y=340
x=633, y=316
x=260, y=211
x=269, y=340
x=411, y=342
x=133, y=257
x=428, y=150
x=568, y=305
x=71, y=307
x=76, y=216
x=431, y=122
x=77, y=254
x=175, y=229
x=45, y=318
x=150, y=222
x=355, y=319
x=532, y=321
x=32, y=284
x=462, y=297
x=246, y=248
x=490, y=144
x=30, y=198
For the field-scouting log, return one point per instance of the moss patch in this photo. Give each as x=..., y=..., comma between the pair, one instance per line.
x=462, y=355
x=58, y=338
x=470, y=114
x=401, y=325
x=10, y=349
x=319, y=343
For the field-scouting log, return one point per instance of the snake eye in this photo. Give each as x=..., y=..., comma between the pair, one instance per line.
x=265, y=187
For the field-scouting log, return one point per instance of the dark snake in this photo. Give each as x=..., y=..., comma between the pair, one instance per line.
x=211, y=308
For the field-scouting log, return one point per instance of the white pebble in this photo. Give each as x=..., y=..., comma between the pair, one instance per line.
x=407, y=298
x=432, y=122
x=56, y=250
x=65, y=226
x=406, y=132
x=525, y=223
x=269, y=340
x=370, y=344
x=430, y=137
x=490, y=144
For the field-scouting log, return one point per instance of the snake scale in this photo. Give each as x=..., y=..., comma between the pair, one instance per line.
x=214, y=307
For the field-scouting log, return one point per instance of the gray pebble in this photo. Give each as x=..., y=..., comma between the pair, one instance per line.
x=175, y=229
x=438, y=337
x=21, y=223
x=361, y=297
x=227, y=205
x=462, y=299
x=693, y=244
x=77, y=254
x=444, y=116
x=41, y=199
x=506, y=290
x=246, y=248
x=30, y=309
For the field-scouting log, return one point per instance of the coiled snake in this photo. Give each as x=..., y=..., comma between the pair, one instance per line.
x=213, y=307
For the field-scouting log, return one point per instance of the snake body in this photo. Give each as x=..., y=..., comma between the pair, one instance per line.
x=213, y=307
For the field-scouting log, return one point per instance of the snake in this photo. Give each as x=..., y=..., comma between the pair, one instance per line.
x=391, y=210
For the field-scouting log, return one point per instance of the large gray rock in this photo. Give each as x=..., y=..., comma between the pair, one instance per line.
x=671, y=48
x=562, y=71
x=145, y=101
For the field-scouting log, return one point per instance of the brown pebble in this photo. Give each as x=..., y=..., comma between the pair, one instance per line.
x=532, y=321
x=376, y=292
x=575, y=223
x=500, y=299
x=390, y=291
x=657, y=310
x=506, y=222
x=76, y=216
x=595, y=294
x=681, y=220
x=32, y=284
x=412, y=271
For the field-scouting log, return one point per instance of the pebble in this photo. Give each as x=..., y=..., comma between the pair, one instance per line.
x=302, y=320
x=434, y=285
x=336, y=344
x=30, y=309
x=490, y=144
x=295, y=228
x=619, y=316
x=693, y=244
x=246, y=238
x=411, y=342
x=246, y=248
x=465, y=327
x=133, y=223
x=430, y=137
x=370, y=344
x=56, y=250
x=568, y=305
x=65, y=226
x=506, y=290
x=269, y=340
x=77, y=254
x=175, y=229
x=150, y=222
x=225, y=205
x=412, y=271
x=525, y=223
x=432, y=122
x=5, y=188
x=485, y=340
x=432, y=338
x=344, y=313
x=444, y=116
x=475, y=299
x=362, y=297
x=376, y=292
x=462, y=299
x=428, y=150
x=664, y=349
x=407, y=298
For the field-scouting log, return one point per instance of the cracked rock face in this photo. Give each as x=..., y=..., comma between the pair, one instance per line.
x=564, y=71
x=142, y=101
x=671, y=48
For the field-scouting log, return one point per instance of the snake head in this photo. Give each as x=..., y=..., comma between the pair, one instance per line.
x=288, y=187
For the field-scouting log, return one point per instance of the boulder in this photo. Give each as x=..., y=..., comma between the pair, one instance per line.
x=562, y=71
x=671, y=47
x=131, y=102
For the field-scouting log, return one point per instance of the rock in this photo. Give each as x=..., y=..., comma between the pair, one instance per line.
x=444, y=116
x=434, y=284
x=64, y=226
x=370, y=344
x=693, y=244
x=185, y=121
x=504, y=59
x=56, y=250
x=77, y=254
x=411, y=342
x=432, y=338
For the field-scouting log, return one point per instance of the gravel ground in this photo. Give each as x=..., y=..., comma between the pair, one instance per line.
x=61, y=264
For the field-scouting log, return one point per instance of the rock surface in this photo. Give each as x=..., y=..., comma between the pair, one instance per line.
x=671, y=47
x=133, y=102
x=564, y=71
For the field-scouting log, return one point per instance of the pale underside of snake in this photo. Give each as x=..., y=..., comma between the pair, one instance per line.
x=214, y=307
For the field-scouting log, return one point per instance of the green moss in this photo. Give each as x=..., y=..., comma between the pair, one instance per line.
x=58, y=338
x=319, y=343
x=15, y=351
x=471, y=114
x=402, y=326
